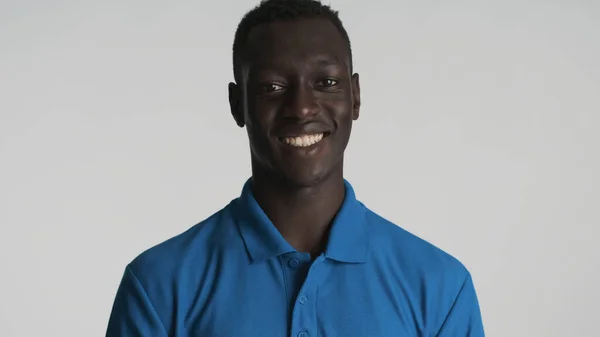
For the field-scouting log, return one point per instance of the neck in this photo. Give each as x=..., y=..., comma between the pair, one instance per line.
x=303, y=215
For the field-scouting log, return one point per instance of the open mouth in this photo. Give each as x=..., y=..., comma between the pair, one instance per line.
x=304, y=140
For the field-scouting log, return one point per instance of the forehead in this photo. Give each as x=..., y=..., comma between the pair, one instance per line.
x=296, y=41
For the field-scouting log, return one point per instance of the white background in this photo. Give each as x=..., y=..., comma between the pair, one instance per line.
x=479, y=132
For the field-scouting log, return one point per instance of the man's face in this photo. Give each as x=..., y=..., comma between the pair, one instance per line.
x=297, y=99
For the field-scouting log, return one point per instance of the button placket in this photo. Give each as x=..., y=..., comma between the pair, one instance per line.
x=304, y=312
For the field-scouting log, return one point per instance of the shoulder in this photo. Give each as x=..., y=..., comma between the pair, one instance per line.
x=428, y=276
x=164, y=261
x=154, y=280
x=167, y=274
x=416, y=257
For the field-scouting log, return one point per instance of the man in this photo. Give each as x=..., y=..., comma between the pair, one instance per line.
x=296, y=254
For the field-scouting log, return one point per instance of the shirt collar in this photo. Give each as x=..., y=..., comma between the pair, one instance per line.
x=348, y=240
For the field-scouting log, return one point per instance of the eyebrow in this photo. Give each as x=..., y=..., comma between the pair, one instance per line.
x=317, y=60
x=325, y=60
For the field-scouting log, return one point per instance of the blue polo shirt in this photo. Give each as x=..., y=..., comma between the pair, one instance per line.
x=234, y=275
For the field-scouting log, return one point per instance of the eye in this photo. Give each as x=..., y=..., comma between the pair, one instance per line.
x=271, y=87
x=328, y=82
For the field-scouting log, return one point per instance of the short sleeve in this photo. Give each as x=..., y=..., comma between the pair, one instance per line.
x=464, y=318
x=132, y=313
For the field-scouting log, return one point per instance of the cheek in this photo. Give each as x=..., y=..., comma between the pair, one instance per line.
x=258, y=126
x=342, y=114
x=343, y=120
x=262, y=112
x=257, y=120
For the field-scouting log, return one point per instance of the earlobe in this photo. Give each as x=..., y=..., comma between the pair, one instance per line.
x=355, y=96
x=235, y=106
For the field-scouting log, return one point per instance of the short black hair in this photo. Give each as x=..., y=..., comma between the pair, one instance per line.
x=275, y=10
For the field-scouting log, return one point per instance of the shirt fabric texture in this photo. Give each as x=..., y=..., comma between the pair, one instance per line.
x=234, y=275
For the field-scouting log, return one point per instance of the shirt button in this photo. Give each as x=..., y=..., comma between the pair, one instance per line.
x=303, y=299
x=303, y=334
x=294, y=263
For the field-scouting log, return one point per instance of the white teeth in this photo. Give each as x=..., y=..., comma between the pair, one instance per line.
x=304, y=140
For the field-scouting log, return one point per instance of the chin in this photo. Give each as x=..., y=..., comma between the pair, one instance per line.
x=307, y=178
x=306, y=182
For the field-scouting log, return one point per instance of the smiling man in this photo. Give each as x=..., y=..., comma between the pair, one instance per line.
x=296, y=254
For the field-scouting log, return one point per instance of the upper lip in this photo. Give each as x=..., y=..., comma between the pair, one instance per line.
x=295, y=130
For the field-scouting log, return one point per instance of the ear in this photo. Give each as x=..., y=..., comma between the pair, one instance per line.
x=355, y=96
x=235, y=100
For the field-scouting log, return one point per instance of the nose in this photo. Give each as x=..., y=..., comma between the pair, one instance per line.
x=302, y=103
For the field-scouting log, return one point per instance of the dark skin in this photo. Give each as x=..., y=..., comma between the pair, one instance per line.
x=296, y=79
